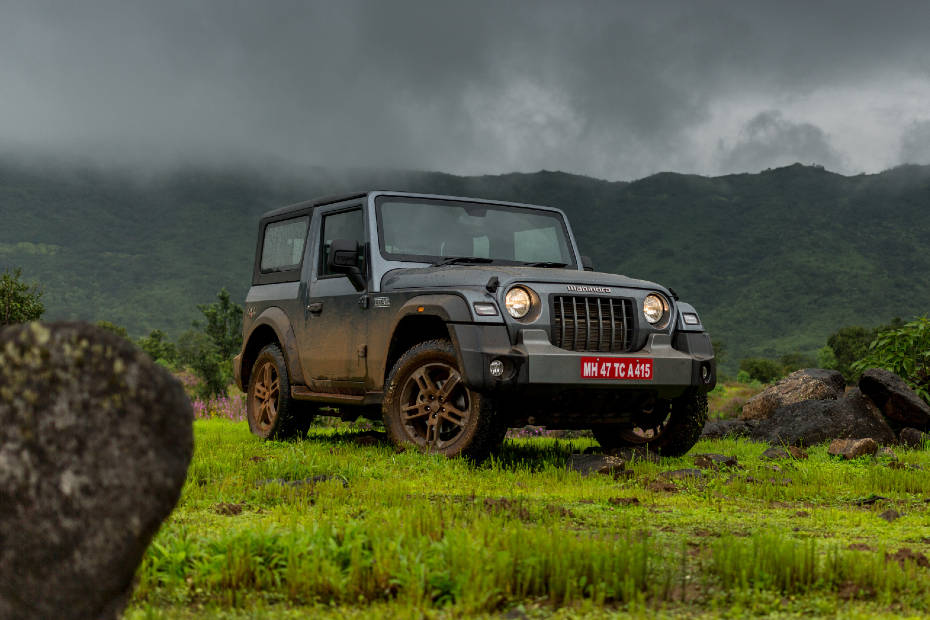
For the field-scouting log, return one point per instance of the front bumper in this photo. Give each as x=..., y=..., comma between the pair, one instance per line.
x=534, y=361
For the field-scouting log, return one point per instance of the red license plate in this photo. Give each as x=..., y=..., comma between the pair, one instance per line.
x=623, y=368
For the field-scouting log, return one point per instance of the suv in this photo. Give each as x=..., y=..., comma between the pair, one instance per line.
x=454, y=319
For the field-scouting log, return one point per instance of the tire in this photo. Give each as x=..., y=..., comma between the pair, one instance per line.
x=271, y=411
x=678, y=427
x=421, y=407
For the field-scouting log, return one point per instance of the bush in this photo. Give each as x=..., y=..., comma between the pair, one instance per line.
x=19, y=302
x=904, y=351
x=761, y=369
x=159, y=348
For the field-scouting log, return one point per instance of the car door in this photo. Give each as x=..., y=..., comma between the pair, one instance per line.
x=335, y=313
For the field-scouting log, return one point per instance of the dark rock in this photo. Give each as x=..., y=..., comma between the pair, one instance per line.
x=719, y=429
x=624, y=501
x=801, y=385
x=789, y=452
x=682, y=474
x=595, y=464
x=871, y=499
x=890, y=515
x=813, y=421
x=852, y=448
x=94, y=448
x=913, y=438
x=714, y=461
x=228, y=509
x=370, y=438
x=895, y=398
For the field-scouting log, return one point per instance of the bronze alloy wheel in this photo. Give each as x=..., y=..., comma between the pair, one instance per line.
x=428, y=405
x=264, y=395
x=434, y=405
x=270, y=409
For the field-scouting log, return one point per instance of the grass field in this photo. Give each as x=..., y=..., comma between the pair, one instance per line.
x=331, y=527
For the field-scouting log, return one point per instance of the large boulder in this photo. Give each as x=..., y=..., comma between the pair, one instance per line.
x=95, y=440
x=813, y=421
x=895, y=398
x=801, y=385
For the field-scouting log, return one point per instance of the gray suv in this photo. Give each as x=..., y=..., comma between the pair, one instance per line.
x=453, y=319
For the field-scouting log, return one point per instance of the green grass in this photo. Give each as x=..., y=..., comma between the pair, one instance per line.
x=411, y=535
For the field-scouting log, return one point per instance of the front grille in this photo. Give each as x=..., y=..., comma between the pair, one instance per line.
x=596, y=324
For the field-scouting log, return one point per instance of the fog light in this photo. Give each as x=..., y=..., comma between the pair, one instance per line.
x=496, y=368
x=705, y=373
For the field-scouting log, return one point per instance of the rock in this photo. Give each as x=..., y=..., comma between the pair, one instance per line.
x=634, y=454
x=852, y=448
x=714, y=461
x=895, y=398
x=887, y=453
x=813, y=421
x=890, y=515
x=790, y=452
x=682, y=474
x=595, y=464
x=95, y=442
x=912, y=438
x=624, y=501
x=801, y=385
x=719, y=429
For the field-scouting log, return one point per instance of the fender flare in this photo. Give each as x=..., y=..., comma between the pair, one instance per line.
x=275, y=318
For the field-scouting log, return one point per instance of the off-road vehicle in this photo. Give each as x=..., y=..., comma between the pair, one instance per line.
x=457, y=318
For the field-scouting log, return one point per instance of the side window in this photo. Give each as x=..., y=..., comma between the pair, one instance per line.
x=283, y=245
x=342, y=225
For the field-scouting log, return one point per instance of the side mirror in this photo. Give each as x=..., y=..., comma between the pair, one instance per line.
x=343, y=258
x=586, y=263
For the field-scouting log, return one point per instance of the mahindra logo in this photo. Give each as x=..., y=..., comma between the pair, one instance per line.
x=588, y=289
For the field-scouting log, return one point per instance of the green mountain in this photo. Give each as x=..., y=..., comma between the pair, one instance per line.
x=774, y=261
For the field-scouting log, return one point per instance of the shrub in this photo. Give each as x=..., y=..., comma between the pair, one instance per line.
x=904, y=351
x=19, y=302
x=761, y=369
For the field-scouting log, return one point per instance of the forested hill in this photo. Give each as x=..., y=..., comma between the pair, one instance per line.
x=774, y=261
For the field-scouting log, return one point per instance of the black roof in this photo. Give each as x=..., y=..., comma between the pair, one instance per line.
x=315, y=202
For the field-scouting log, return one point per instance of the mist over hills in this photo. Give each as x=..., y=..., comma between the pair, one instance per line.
x=774, y=261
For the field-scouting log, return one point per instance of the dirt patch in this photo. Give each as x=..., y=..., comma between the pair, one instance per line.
x=849, y=590
x=860, y=547
x=802, y=513
x=503, y=505
x=890, y=515
x=230, y=510
x=258, y=459
x=624, y=501
x=905, y=555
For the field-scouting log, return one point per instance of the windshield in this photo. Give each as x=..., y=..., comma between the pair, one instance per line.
x=425, y=230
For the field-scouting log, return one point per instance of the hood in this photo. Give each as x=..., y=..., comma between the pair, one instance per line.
x=452, y=276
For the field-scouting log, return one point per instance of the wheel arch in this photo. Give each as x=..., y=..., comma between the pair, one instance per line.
x=423, y=318
x=272, y=327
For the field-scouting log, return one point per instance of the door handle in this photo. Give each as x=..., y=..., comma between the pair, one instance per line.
x=315, y=308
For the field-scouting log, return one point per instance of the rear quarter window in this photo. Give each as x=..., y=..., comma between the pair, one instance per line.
x=283, y=246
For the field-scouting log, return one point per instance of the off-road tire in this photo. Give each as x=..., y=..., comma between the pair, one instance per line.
x=282, y=417
x=480, y=432
x=684, y=427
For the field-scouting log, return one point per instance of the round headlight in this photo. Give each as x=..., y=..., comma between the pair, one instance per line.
x=654, y=308
x=518, y=302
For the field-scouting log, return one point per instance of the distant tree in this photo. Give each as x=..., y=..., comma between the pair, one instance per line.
x=197, y=351
x=19, y=302
x=223, y=324
x=113, y=328
x=851, y=343
x=159, y=348
x=795, y=361
x=761, y=369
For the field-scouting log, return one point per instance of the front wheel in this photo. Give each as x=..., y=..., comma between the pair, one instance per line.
x=271, y=411
x=669, y=428
x=427, y=404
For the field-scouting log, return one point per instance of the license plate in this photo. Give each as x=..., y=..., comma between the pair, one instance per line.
x=623, y=368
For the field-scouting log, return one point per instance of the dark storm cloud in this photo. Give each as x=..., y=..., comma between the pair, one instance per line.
x=770, y=140
x=605, y=88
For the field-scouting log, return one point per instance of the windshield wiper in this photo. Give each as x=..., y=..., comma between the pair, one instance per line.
x=456, y=260
x=547, y=264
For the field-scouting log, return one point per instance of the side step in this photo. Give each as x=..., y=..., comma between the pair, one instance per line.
x=302, y=392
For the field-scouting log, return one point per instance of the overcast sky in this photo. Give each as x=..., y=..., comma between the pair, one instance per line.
x=616, y=90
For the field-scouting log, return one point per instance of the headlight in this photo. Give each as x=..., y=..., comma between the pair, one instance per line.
x=518, y=302
x=655, y=309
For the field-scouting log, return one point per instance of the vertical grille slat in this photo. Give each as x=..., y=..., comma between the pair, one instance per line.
x=590, y=326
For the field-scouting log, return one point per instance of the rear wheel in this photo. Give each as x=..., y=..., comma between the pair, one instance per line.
x=271, y=411
x=427, y=405
x=669, y=428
